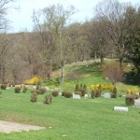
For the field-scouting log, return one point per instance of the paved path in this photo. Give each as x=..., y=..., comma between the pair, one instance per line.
x=8, y=127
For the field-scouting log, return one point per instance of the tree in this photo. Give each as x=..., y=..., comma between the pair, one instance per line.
x=112, y=11
x=132, y=38
x=55, y=20
x=5, y=5
x=99, y=39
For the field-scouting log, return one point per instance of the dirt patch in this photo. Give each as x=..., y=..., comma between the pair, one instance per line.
x=8, y=127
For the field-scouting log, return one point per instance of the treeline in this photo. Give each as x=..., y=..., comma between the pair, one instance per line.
x=113, y=32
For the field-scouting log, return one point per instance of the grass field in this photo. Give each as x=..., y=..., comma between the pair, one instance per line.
x=71, y=119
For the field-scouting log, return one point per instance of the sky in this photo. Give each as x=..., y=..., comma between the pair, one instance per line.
x=21, y=19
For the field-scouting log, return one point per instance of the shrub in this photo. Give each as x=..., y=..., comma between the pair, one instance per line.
x=3, y=86
x=42, y=90
x=55, y=93
x=24, y=89
x=80, y=89
x=114, y=93
x=129, y=99
x=93, y=93
x=17, y=89
x=33, y=97
x=67, y=94
x=77, y=87
x=113, y=71
x=48, y=99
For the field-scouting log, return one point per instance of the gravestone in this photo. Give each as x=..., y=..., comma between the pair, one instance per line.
x=107, y=95
x=120, y=108
x=76, y=96
x=137, y=103
x=86, y=96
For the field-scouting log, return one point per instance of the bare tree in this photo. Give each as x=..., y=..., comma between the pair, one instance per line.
x=54, y=19
x=99, y=39
x=112, y=11
x=5, y=6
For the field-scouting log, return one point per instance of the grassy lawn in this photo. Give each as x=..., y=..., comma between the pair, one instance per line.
x=69, y=119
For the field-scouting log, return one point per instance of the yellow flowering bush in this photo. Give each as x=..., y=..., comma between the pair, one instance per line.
x=32, y=81
x=132, y=90
x=102, y=86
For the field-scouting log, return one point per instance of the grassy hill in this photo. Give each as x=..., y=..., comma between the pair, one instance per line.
x=68, y=118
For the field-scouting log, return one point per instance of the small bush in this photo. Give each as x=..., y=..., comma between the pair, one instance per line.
x=48, y=99
x=114, y=93
x=3, y=86
x=93, y=93
x=80, y=89
x=67, y=94
x=33, y=97
x=55, y=93
x=77, y=87
x=18, y=89
x=42, y=90
x=129, y=99
x=113, y=71
x=24, y=89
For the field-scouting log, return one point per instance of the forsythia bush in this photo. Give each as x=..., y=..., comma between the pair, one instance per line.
x=132, y=91
x=102, y=86
x=32, y=81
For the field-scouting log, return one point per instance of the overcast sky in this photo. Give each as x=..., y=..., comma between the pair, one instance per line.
x=21, y=19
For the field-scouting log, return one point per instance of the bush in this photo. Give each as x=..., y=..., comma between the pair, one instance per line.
x=24, y=89
x=129, y=99
x=48, y=99
x=114, y=93
x=67, y=94
x=113, y=71
x=80, y=89
x=17, y=89
x=93, y=93
x=34, y=97
x=55, y=93
x=3, y=86
x=42, y=90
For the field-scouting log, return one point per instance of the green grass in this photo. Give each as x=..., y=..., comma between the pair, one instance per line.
x=69, y=119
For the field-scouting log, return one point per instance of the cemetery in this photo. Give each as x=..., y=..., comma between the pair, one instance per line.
x=67, y=76
x=64, y=112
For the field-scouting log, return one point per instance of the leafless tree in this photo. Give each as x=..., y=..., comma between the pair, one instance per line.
x=54, y=19
x=112, y=12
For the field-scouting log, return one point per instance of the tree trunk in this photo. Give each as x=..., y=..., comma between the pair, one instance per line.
x=121, y=63
x=62, y=73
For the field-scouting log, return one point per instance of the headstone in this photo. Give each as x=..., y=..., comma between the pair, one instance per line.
x=122, y=109
x=76, y=96
x=107, y=95
x=137, y=103
x=86, y=96
x=47, y=88
x=60, y=93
